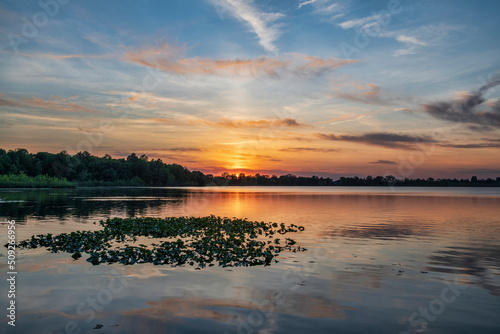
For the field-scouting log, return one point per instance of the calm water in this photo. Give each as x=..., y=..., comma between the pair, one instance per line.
x=408, y=260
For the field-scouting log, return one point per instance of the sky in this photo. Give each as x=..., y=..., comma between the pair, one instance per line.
x=310, y=87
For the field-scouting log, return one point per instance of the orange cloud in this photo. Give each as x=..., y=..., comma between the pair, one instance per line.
x=372, y=94
x=55, y=103
x=316, y=65
x=235, y=124
x=168, y=58
x=58, y=104
x=263, y=123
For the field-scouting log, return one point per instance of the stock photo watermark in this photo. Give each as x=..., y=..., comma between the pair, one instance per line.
x=40, y=19
x=430, y=312
x=151, y=80
x=96, y=302
x=293, y=279
x=11, y=273
x=372, y=29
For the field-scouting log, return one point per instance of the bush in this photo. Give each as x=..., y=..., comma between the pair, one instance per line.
x=40, y=181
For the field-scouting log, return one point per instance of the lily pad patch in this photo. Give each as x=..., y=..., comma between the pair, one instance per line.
x=176, y=241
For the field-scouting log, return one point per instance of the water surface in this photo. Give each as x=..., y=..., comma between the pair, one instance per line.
x=379, y=260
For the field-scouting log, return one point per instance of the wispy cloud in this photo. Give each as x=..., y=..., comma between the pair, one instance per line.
x=471, y=108
x=309, y=149
x=57, y=56
x=328, y=9
x=168, y=58
x=359, y=22
x=59, y=104
x=384, y=139
x=411, y=45
x=231, y=124
x=419, y=37
x=372, y=94
x=409, y=40
x=492, y=143
x=177, y=149
x=305, y=3
x=261, y=23
x=263, y=123
x=165, y=60
x=153, y=99
x=311, y=65
x=350, y=117
x=55, y=103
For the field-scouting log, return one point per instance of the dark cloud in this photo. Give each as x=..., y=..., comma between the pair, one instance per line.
x=309, y=149
x=488, y=144
x=384, y=139
x=384, y=162
x=471, y=108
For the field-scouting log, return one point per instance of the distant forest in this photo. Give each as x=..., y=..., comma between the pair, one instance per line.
x=18, y=167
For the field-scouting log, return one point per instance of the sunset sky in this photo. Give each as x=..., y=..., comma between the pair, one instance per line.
x=318, y=87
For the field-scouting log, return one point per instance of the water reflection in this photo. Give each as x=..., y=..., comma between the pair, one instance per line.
x=62, y=204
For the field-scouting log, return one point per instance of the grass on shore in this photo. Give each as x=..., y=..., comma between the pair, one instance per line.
x=40, y=181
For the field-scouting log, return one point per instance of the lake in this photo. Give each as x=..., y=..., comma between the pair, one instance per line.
x=378, y=260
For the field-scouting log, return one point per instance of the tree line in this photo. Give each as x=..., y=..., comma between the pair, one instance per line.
x=85, y=169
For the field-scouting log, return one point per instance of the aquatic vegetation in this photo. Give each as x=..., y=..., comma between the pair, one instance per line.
x=199, y=241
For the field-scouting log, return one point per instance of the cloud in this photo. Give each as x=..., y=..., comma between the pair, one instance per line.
x=260, y=23
x=231, y=124
x=411, y=42
x=7, y=103
x=168, y=58
x=351, y=117
x=495, y=143
x=165, y=58
x=154, y=99
x=54, y=56
x=359, y=22
x=264, y=123
x=384, y=162
x=372, y=94
x=433, y=35
x=177, y=149
x=471, y=108
x=328, y=9
x=58, y=104
x=309, y=149
x=281, y=136
x=312, y=65
x=384, y=139
x=305, y=3
x=55, y=103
